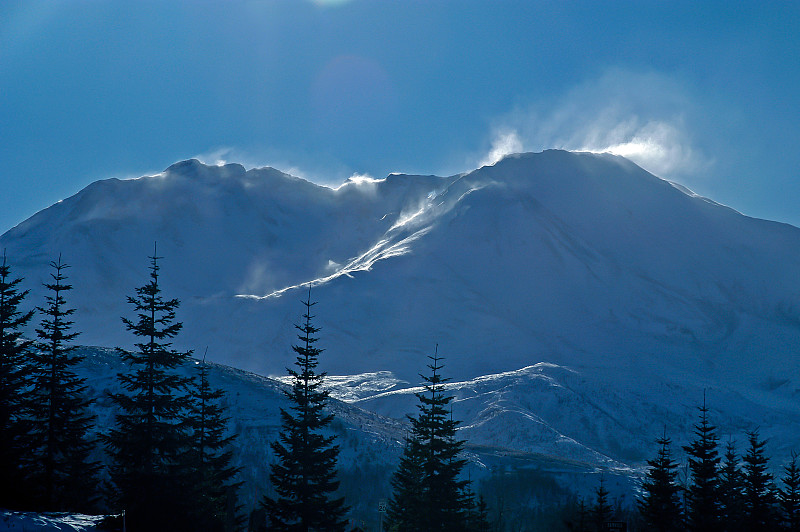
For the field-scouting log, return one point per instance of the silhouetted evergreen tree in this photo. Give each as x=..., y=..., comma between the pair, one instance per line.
x=149, y=439
x=602, y=512
x=14, y=387
x=660, y=505
x=209, y=458
x=789, y=495
x=406, y=509
x=480, y=520
x=427, y=493
x=304, y=477
x=62, y=472
x=582, y=518
x=759, y=491
x=476, y=512
x=731, y=484
x=702, y=497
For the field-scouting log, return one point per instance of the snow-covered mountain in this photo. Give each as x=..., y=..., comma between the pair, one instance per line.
x=370, y=444
x=620, y=295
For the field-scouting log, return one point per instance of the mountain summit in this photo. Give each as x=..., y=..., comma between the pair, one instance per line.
x=572, y=258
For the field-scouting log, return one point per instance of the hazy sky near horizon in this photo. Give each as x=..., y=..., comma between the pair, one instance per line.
x=703, y=93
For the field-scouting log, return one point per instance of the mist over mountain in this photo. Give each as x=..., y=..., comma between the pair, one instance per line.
x=623, y=291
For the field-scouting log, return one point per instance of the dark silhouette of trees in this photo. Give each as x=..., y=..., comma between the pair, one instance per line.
x=209, y=458
x=660, y=505
x=476, y=512
x=602, y=512
x=582, y=518
x=427, y=492
x=304, y=476
x=407, y=506
x=702, y=497
x=759, y=491
x=60, y=468
x=789, y=495
x=14, y=386
x=731, y=484
x=149, y=439
x=172, y=465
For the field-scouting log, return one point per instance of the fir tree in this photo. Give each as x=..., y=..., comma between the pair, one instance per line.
x=14, y=386
x=427, y=493
x=209, y=457
x=304, y=476
x=406, y=509
x=759, y=491
x=602, y=512
x=702, y=513
x=149, y=439
x=59, y=409
x=789, y=495
x=480, y=519
x=660, y=505
x=731, y=484
x=582, y=518
x=476, y=512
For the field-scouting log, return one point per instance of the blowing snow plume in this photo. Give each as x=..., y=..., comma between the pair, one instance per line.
x=643, y=117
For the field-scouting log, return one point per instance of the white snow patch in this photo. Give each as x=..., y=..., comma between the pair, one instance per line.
x=351, y=388
x=384, y=249
x=34, y=522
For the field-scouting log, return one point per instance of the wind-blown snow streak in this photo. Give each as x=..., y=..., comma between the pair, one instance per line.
x=419, y=219
x=384, y=249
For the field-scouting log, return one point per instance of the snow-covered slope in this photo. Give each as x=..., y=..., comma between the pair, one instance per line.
x=35, y=522
x=573, y=263
x=553, y=410
x=369, y=443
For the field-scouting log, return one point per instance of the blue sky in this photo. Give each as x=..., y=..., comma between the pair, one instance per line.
x=704, y=93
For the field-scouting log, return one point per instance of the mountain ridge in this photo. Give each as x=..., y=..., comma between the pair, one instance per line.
x=576, y=260
x=586, y=222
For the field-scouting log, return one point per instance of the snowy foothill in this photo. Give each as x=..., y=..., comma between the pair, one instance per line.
x=36, y=522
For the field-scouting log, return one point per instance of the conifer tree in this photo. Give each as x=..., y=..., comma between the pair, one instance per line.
x=660, y=505
x=602, y=512
x=60, y=450
x=731, y=484
x=582, y=517
x=149, y=439
x=304, y=476
x=759, y=491
x=480, y=518
x=789, y=495
x=209, y=457
x=14, y=387
x=427, y=493
x=406, y=509
x=476, y=512
x=702, y=513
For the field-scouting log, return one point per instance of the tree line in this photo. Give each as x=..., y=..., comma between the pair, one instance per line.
x=721, y=489
x=715, y=490
x=169, y=450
